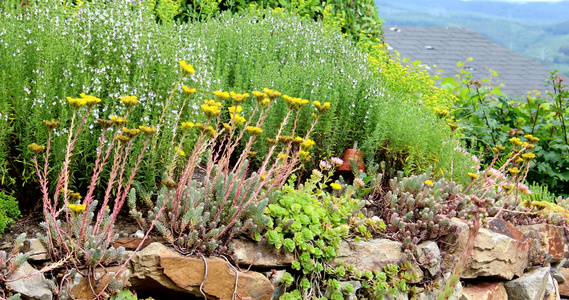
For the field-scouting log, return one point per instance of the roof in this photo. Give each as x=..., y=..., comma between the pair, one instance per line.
x=444, y=47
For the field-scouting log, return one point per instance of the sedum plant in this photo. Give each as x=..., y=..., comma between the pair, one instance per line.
x=211, y=194
x=312, y=223
x=9, y=263
x=79, y=228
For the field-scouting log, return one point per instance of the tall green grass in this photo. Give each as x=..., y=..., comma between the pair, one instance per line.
x=113, y=49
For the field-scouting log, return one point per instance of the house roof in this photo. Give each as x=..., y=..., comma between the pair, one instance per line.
x=444, y=47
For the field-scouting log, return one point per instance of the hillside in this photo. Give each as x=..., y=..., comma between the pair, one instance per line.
x=537, y=30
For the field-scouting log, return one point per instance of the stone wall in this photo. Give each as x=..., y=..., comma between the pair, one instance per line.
x=507, y=262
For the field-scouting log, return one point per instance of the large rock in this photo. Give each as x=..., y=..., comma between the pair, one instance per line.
x=494, y=254
x=260, y=254
x=158, y=267
x=432, y=294
x=532, y=285
x=552, y=239
x=88, y=288
x=564, y=287
x=36, y=250
x=428, y=256
x=221, y=280
x=369, y=255
x=484, y=291
x=34, y=287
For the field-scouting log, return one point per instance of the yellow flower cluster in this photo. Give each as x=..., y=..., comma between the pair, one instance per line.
x=531, y=139
x=235, y=109
x=129, y=101
x=221, y=95
x=51, y=124
x=211, y=108
x=473, y=175
x=180, y=151
x=188, y=90
x=130, y=132
x=514, y=170
x=254, y=130
x=516, y=141
x=187, y=125
x=272, y=94
x=307, y=145
x=294, y=103
x=528, y=156
x=238, y=98
x=105, y=123
x=77, y=208
x=36, y=148
x=336, y=186
x=119, y=121
x=148, y=131
x=84, y=100
x=429, y=183
x=187, y=68
x=206, y=129
x=321, y=108
x=238, y=120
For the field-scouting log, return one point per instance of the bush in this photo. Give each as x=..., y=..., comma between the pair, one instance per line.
x=9, y=211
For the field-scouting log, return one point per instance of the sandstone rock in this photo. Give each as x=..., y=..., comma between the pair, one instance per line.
x=429, y=256
x=34, y=287
x=484, y=291
x=530, y=286
x=494, y=254
x=36, y=250
x=83, y=288
x=131, y=243
x=369, y=255
x=158, y=267
x=553, y=294
x=564, y=287
x=247, y=253
x=551, y=238
x=146, y=273
x=219, y=283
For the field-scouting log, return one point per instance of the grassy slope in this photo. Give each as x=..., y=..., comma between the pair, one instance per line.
x=537, y=41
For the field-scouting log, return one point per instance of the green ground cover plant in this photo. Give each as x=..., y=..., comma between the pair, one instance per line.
x=9, y=211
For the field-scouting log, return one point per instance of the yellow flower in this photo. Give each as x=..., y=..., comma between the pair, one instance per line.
x=307, y=145
x=336, y=186
x=254, y=130
x=36, y=148
x=129, y=101
x=294, y=103
x=515, y=141
x=272, y=94
x=531, y=139
x=188, y=69
x=90, y=100
x=187, y=125
x=233, y=109
x=119, y=121
x=221, y=95
x=429, y=183
x=238, y=98
x=148, y=131
x=76, y=102
x=123, y=138
x=227, y=126
x=239, y=120
x=188, y=90
x=514, y=170
x=321, y=108
x=498, y=149
x=265, y=102
x=105, y=123
x=130, y=132
x=209, y=131
x=77, y=208
x=282, y=155
x=259, y=96
x=473, y=175
x=180, y=151
x=528, y=156
x=211, y=108
x=51, y=124
x=303, y=154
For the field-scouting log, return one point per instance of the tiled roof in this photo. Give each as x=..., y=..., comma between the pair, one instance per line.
x=444, y=47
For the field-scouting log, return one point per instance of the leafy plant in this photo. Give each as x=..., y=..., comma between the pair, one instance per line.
x=311, y=223
x=8, y=211
x=9, y=263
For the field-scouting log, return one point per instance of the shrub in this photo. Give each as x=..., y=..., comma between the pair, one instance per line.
x=9, y=211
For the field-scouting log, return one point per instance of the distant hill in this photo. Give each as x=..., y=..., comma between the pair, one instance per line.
x=539, y=30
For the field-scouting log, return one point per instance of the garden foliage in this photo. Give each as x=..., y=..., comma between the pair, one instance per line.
x=9, y=211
